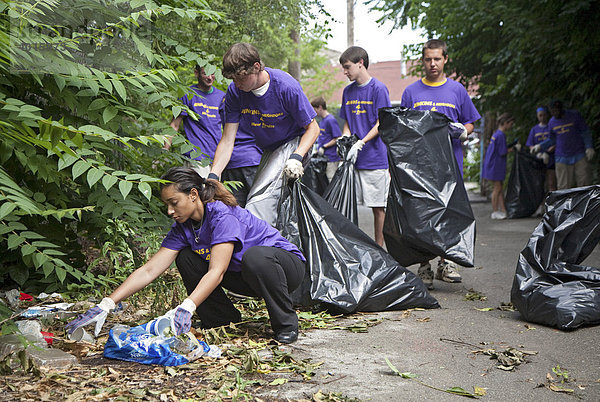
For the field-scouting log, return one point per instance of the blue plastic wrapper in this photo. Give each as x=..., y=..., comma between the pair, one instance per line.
x=137, y=344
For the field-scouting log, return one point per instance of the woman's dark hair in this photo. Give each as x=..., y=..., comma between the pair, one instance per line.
x=185, y=179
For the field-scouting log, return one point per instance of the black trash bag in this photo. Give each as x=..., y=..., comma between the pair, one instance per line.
x=428, y=212
x=550, y=287
x=341, y=193
x=346, y=270
x=525, y=191
x=314, y=176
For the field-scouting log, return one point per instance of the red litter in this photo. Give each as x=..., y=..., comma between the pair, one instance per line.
x=48, y=337
x=25, y=296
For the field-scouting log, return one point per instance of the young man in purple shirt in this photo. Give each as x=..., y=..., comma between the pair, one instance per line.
x=330, y=132
x=441, y=94
x=538, y=134
x=574, y=146
x=361, y=101
x=270, y=105
x=205, y=133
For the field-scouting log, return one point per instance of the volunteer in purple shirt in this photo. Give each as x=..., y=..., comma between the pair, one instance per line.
x=361, y=101
x=441, y=94
x=538, y=134
x=215, y=244
x=330, y=132
x=205, y=133
x=494, y=164
x=270, y=105
x=574, y=146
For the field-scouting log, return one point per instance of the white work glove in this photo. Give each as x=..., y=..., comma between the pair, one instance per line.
x=544, y=156
x=321, y=151
x=457, y=130
x=589, y=154
x=96, y=314
x=353, y=152
x=535, y=149
x=518, y=146
x=293, y=167
x=181, y=321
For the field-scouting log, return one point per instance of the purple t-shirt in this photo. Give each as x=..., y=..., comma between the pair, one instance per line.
x=245, y=152
x=205, y=133
x=223, y=224
x=494, y=164
x=274, y=118
x=539, y=134
x=449, y=98
x=329, y=130
x=568, y=133
x=360, y=108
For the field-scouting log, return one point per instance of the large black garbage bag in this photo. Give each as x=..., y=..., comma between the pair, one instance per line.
x=341, y=193
x=428, y=212
x=346, y=269
x=314, y=174
x=525, y=191
x=550, y=287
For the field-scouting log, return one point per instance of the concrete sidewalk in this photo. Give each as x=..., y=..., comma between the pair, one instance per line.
x=437, y=345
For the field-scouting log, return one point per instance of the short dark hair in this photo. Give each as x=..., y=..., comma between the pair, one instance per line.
x=556, y=103
x=504, y=118
x=319, y=101
x=185, y=179
x=435, y=44
x=354, y=54
x=240, y=59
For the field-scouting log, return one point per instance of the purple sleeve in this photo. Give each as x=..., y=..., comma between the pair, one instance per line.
x=382, y=98
x=531, y=137
x=175, y=239
x=298, y=106
x=334, y=128
x=343, y=108
x=406, y=102
x=501, y=144
x=232, y=105
x=468, y=113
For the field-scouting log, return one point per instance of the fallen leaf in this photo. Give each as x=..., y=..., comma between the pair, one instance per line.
x=479, y=391
x=558, y=388
x=484, y=309
x=278, y=381
x=424, y=319
x=529, y=327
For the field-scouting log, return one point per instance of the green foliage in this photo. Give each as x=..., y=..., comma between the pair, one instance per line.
x=84, y=114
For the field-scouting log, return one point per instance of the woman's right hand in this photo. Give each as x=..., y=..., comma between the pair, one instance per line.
x=96, y=314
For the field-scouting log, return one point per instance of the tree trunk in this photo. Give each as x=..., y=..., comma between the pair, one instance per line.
x=294, y=63
x=350, y=22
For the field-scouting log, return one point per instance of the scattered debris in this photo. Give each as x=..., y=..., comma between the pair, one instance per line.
x=507, y=307
x=508, y=359
x=473, y=295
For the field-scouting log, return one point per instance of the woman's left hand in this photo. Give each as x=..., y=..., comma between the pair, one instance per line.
x=182, y=320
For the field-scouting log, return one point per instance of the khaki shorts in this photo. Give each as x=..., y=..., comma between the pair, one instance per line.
x=372, y=187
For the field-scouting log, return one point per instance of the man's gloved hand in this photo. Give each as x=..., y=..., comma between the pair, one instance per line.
x=181, y=321
x=457, y=130
x=96, y=314
x=535, y=149
x=589, y=154
x=293, y=167
x=544, y=156
x=518, y=146
x=353, y=152
x=321, y=151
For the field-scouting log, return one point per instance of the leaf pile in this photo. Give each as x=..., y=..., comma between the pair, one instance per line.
x=508, y=359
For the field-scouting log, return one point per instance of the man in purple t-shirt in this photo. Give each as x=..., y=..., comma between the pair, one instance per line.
x=574, y=146
x=270, y=105
x=438, y=93
x=205, y=133
x=361, y=102
x=330, y=132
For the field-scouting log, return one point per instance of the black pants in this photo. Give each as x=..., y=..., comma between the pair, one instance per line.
x=268, y=272
x=245, y=175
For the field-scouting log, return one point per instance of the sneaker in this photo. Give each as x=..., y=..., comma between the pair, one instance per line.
x=446, y=271
x=426, y=275
x=501, y=215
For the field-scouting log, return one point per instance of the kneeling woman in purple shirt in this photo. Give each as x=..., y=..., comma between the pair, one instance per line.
x=216, y=244
x=494, y=164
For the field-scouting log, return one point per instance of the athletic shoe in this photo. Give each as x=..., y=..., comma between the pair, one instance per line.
x=446, y=271
x=494, y=215
x=501, y=215
x=426, y=275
